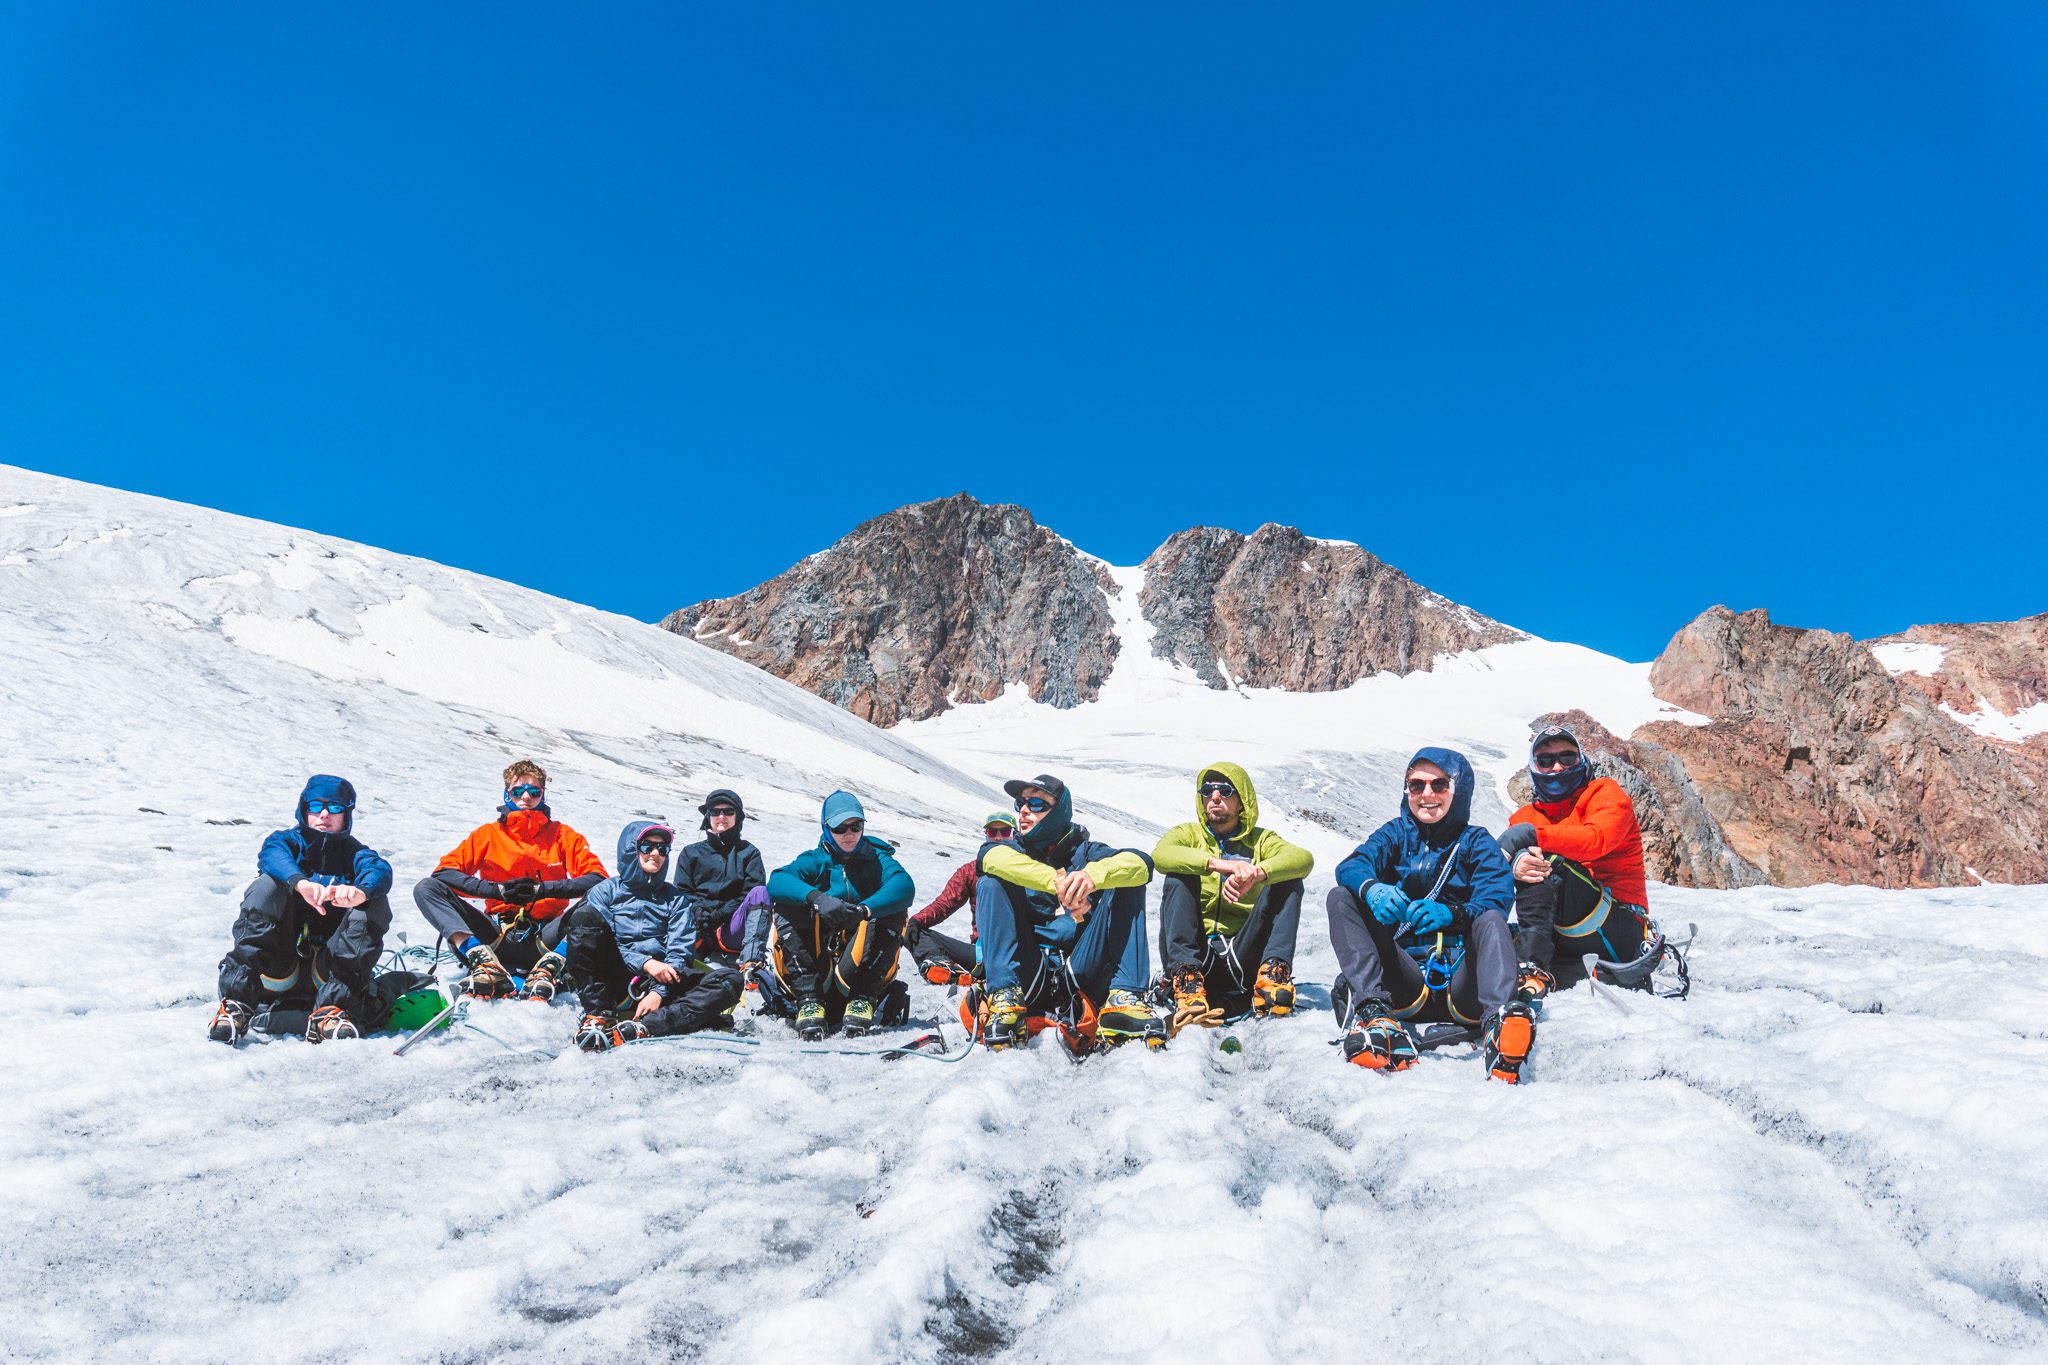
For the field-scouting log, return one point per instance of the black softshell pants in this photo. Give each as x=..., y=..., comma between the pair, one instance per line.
x=944, y=949
x=283, y=947
x=452, y=916
x=814, y=960
x=1563, y=917
x=603, y=981
x=1372, y=962
x=1229, y=966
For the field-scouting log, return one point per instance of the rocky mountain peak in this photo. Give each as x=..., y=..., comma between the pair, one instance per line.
x=1280, y=609
x=920, y=608
x=1820, y=766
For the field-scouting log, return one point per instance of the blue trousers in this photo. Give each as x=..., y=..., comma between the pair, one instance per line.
x=1018, y=927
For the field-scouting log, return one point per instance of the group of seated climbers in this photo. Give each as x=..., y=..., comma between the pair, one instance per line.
x=1419, y=918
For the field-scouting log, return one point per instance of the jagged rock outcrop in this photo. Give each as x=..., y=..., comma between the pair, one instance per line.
x=1278, y=609
x=937, y=602
x=2000, y=664
x=1819, y=766
x=1682, y=843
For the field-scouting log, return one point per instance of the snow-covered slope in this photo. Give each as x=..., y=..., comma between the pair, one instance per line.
x=1833, y=1151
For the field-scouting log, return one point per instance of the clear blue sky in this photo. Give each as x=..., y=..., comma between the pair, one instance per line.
x=1588, y=316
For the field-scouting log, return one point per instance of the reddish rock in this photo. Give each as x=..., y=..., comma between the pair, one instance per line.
x=2000, y=663
x=1819, y=766
x=929, y=604
x=1278, y=609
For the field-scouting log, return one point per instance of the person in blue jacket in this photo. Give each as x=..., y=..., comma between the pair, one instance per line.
x=637, y=926
x=1051, y=887
x=313, y=922
x=839, y=914
x=1418, y=919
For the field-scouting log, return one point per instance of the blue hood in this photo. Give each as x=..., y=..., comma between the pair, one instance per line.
x=630, y=871
x=839, y=807
x=322, y=787
x=1463, y=785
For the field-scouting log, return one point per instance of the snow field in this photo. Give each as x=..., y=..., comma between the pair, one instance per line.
x=1833, y=1151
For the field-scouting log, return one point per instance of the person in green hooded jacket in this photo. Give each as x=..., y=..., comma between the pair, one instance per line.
x=1230, y=897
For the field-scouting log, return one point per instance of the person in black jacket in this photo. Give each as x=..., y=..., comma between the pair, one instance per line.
x=727, y=883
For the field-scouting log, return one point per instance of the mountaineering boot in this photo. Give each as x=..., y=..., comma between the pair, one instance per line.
x=1273, y=992
x=1004, y=1026
x=1377, y=1040
x=544, y=979
x=946, y=974
x=1532, y=983
x=488, y=979
x=859, y=1019
x=1506, y=1038
x=810, y=1018
x=1190, y=999
x=600, y=1032
x=230, y=1022
x=1125, y=1016
x=329, y=1022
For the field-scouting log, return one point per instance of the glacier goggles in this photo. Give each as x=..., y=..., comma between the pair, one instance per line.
x=329, y=807
x=655, y=845
x=525, y=789
x=721, y=810
x=1562, y=758
x=849, y=827
x=1418, y=785
x=1217, y=788
x=1034, y=803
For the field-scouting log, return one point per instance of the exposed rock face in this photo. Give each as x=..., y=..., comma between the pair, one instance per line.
x=2002, y=664
x=1819, y=766
x=954, y=599
x=1277, y=609
x=1682, y=844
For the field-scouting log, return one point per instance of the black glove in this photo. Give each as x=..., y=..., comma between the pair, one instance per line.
x=523, y=891
x=912, y=932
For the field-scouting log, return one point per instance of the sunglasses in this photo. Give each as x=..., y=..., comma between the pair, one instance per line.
x=1034, y=803
x=654, y=846
x=1418, y=785
x=850, y=827
x=527, y=790
x=998, y=831
x=328, y=807
x=1218, y=789
x=1558, y=760
x=721, y=810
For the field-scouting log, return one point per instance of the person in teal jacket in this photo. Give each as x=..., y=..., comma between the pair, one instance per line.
x=1229, y=904
x=839, y=914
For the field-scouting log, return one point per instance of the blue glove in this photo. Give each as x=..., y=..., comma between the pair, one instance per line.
x=1387, y=902
x=1428, y=917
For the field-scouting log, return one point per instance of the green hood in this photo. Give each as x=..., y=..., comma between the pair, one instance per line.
x=1238, y=778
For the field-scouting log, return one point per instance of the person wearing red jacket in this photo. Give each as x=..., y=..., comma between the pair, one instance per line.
x=1576, y=852
x=941, y=958
x=527, y=868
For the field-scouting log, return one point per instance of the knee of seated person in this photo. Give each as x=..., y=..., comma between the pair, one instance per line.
x=1341, y=897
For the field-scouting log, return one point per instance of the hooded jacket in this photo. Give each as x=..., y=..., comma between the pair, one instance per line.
x=648, y=917
x=303, y=853
x=1186, y=849
x=1596, y=828
x=1457, y=859
x=869, y=875
x=1034, y=859
x=523, y=843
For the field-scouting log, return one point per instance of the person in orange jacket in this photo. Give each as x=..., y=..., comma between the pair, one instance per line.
x=527, y=868
x=1576, y=852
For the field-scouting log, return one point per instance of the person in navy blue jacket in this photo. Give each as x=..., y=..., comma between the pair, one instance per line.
x=314, y=918
x=637, y=925
x=1418, y=919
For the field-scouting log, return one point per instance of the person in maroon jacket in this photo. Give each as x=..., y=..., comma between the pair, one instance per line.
x=942, y=959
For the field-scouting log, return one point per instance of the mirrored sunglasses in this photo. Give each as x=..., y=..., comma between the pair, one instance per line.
x=328, y=807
